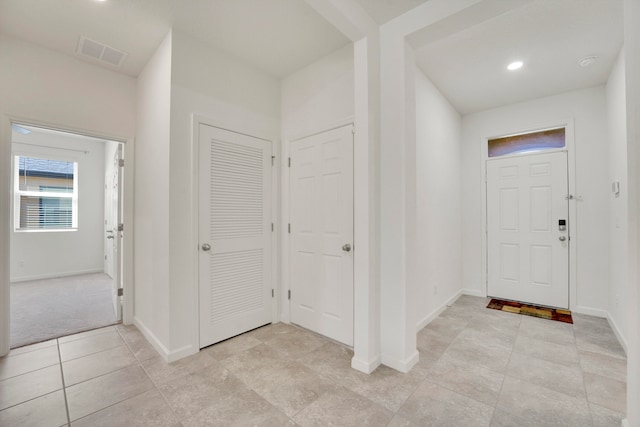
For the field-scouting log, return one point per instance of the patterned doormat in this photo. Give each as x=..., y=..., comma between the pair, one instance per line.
x=531, y=310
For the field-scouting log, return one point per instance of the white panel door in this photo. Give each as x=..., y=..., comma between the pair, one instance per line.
x=321, y=186
x=234, y=233
x=528, y=249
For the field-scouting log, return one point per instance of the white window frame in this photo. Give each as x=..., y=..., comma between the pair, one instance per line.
x=17, y=193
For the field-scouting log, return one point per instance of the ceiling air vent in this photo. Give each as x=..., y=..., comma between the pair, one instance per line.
x=100, y=52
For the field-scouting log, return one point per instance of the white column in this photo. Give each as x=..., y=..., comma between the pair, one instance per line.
x=366, y=344
x=632, y=71
x=397, y=200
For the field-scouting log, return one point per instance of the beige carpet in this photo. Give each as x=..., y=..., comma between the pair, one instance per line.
x=51, y=308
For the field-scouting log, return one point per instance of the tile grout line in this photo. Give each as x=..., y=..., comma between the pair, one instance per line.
x=506, y=370
x=125, y=367
x=155, y=386
x=64, y=387
x=582, y=372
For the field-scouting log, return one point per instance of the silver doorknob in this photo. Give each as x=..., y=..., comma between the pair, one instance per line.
x=206, y=247
x=346, y=247
x=562, y=238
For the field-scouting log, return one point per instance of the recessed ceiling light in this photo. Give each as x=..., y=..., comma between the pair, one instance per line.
x=515, y=65
x=587, y=60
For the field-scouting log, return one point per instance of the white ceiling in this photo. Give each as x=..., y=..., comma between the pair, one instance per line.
x=549, y=36
x=383, y=11
x=276, y=36
x=282, y=36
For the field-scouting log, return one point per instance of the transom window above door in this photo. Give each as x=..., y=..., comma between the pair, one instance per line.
x=549, y=139
x=45, y=194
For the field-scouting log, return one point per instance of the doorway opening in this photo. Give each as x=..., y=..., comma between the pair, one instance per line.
x=66, y=233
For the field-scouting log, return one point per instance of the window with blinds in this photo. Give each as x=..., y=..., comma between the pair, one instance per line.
x=46, y=194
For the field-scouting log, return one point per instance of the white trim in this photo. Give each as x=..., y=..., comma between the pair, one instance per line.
x=435, y=313
x=285, y=217
x=364, y=366
x=55, y=275
x=196, y=121
x=5, y=233
x=625, y=423
x=168, y=356
x=182, y=352
x=616, y=330
x=568, y=124
x=403, y=366
x=589, y=311
x=350, y=120
x=474, y=293
x=603, y=314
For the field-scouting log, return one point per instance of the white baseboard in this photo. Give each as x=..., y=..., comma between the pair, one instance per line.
x=605, y=315
x=403, y=366
x=53, y=275
x=187, y=350
x=625, y=423
x=365, y=366
x=616, y=330
x=168, y=356
x=435, y=313
x=473, y=293
x=153, y=340
x=597, y=312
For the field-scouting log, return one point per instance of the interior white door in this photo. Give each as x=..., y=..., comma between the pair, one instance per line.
x=321, y=257
x=115, y=234
x=528, y=229
x=234, y=233
x=108, y=222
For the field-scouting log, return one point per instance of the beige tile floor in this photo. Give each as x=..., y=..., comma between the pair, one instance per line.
x=478, y=367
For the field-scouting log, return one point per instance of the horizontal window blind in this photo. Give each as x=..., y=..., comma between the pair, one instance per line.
x=46, y=194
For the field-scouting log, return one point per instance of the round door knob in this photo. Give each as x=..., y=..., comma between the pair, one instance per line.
x=206, y=247
x=562, y=238
x=346, y=247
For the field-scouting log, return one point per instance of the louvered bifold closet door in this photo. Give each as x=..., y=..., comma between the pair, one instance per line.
x=234, y=233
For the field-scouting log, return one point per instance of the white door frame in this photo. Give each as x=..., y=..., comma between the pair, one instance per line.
x=285, y=258
x=6, y=214
x=196, y=121
x=571, y=176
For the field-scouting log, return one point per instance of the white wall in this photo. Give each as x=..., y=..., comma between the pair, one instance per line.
x=588, y=109
x=151, y=209
x=618, y=225
x=73, y=95
x=319, y=96
x=38, y=255
x=232, y=95
x=438, y=187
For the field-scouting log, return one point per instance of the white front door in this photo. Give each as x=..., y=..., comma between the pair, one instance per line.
x=528, y=229
x=234, y=233
x=321, y=257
